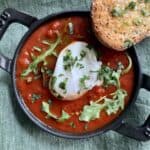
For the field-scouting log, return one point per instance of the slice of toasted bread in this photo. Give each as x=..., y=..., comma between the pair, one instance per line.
x=121, y=23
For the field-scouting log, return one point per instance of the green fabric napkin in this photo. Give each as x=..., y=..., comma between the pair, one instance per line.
x=17, y=132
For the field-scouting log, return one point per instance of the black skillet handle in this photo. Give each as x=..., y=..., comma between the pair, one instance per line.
x=141, y=133
x=7, y=17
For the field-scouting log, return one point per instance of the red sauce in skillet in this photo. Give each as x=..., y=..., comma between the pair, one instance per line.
x=82, y=32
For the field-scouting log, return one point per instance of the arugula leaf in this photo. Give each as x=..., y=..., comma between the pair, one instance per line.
x=41, y=58
x=64, y=116
x=111, y=106
x=90, y=112
x=46, y=108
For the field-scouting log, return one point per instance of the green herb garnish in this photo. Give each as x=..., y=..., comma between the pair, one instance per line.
x=41, y=58
x=137, y=21
x=131, y=5
x=117, y=12
x=128, y=43
x=62, y=84
x=147, y=1
x=72, y=124
x=46, y=108
x=82, y=54
x=83, y=80
x=80, y=66
x=64, y=116
x=69, y=61
x=49, y=72
x=111, y=106
x=35, y=97
x=145, y=12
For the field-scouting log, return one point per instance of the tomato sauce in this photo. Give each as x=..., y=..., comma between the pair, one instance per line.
x=82, y=32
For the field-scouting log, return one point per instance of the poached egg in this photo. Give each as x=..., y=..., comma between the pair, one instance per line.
x=73, y=74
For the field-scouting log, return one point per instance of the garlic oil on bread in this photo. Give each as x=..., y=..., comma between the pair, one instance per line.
x=119, y=24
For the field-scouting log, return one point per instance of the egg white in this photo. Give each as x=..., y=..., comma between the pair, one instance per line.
x=73, y=89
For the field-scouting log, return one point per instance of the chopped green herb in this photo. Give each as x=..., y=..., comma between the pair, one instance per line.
x=109, y=76
x=80, y=66
x=32, y=66
x=35, y=97
x=111, y=106
x=90, y=112
x=128, y=43
x=147, y=1
x=145, y=12
x=89, y=46
x=72, y=124
x=117, y=12
x=49, y=72
x=69, y=61
x=82, y=81
x=71, y=28
x=137, y=21
x=60, y=75
x=131, y=5
x=37, y=48
x=82, y=54
x=65, y=116
x=59, y=97
x=62, y=84
x=46, y=108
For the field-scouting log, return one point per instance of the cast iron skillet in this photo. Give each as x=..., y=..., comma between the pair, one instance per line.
x=141, y=133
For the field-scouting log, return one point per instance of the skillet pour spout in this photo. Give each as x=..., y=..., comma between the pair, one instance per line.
x=141, y=133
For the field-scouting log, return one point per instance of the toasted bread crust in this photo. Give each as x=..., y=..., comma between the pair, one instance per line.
x=114, y=31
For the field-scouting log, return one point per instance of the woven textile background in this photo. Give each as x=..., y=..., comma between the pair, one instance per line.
x=17, y=132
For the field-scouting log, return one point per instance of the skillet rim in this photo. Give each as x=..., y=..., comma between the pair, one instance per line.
x=112, y=125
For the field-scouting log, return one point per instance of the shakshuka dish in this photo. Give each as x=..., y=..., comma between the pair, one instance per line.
x=69, y=81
